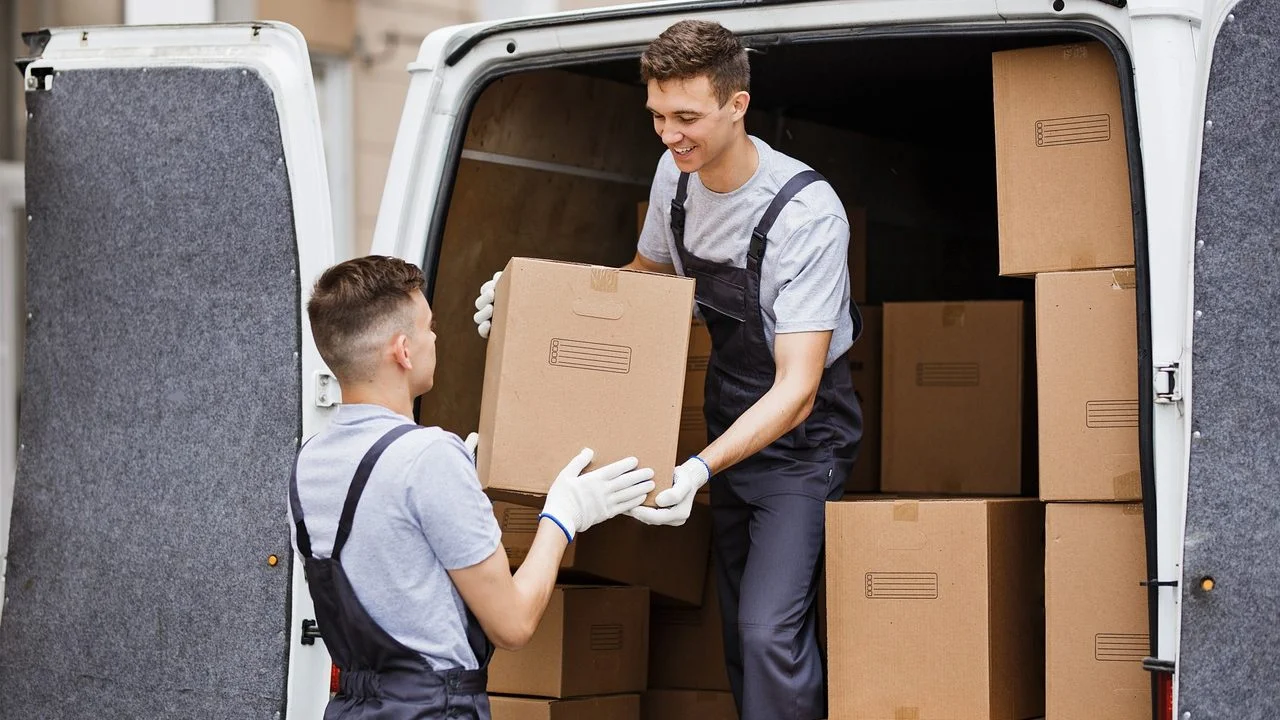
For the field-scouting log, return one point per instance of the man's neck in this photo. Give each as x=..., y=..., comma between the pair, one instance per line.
x=733, y=168
x=395, y=399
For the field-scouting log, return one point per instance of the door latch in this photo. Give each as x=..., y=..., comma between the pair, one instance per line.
x=1168, y=381
x=310, y=632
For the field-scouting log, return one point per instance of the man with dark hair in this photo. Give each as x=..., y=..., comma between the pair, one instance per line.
x=403, y=556
x=766, y=240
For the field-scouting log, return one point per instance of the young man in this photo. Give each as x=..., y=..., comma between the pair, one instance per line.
x=403, y=555
x=766, y=240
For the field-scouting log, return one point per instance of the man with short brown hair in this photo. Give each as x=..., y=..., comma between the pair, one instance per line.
x=403, y=556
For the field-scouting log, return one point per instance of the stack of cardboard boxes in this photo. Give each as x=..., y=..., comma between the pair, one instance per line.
x=632, y=629
x=1000, y=606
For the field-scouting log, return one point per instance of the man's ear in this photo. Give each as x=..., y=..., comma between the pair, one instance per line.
x=400, y=351
x=739, y=103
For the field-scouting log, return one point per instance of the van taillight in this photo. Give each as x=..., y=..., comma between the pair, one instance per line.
x=1164, y=695
x=334, y=672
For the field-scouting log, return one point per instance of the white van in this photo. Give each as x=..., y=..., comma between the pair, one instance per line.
x=179, y=211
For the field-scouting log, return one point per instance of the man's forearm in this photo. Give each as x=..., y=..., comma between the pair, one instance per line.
x=536, y=578
x=782, y=408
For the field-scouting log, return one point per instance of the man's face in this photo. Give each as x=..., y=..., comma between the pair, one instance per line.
x=693, y=124
x=422, y=346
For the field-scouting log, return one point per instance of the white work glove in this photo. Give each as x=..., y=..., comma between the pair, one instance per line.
x=676, y=502
x=484, y=306
x=578, y=501
x=472, y=442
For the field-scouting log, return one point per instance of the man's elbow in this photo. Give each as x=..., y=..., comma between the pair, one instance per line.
x=514, y=636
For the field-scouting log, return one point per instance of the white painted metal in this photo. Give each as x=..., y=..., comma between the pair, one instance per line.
x=336, y=99
x=277, y=53
x=11, y=303
x=166, y=12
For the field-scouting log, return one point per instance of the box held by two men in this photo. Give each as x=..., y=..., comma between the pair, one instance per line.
x=1062, y=165
x=1096, y=632
x=670, y=561
x=593, y=640
x=939, y=611
x=1087, y=369
x=582, y=356
x=952, y=398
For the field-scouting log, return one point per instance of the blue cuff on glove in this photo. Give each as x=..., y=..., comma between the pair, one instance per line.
x=559, y=524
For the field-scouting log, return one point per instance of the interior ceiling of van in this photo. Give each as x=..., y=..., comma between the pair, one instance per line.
x=931, y=91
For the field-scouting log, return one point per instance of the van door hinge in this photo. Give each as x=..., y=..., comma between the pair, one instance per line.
x=328, y=392
x=1168, y=380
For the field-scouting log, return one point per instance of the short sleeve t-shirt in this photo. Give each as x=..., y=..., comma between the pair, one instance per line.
x=422, y=514
x=804, y=280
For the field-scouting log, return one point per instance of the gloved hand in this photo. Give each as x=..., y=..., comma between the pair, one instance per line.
x=676, y=502
x=484, y=306
x=472, y=442
x=578, y=501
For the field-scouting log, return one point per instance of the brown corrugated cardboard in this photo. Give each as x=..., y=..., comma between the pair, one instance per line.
x=939, y=616
x=609, y=707
x=686, y=645
x=670, y=561
x=952, y=399
x=693, y=424
x=591, y=641
x=582, y=356
x=328, y=25
x=688, y=705
x=864, y=364
x=1062, y=173
x=1095, y=613
x=857, y=253
x=1087, y=373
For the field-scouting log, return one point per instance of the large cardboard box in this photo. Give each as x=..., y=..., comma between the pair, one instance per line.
x=1062, y=172
x=693, y=424
x=952, y=413
x=1095, y=613
x=865, y=366
x=608, y=707
x=1087, y=370
x=582, y=356
x=940, y=609
x=686, y=644
x=593, y=640
x=688, y=705
x=670, y=561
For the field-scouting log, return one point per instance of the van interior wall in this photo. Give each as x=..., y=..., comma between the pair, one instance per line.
x=928, y=199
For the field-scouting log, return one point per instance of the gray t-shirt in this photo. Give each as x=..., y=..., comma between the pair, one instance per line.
x=804, y=281
x=422, y=513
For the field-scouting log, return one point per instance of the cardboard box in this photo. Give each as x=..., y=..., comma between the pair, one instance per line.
x=693, y=424
x=593, y=640
x=1062, y=169
x=688, y=705
x=1096, y=613
x=609, y=707
x=670, y=561
x=857, y=253
x=939, y=613
x=328, y=25
x=1087, y=365
x=582, y=356
x=686, y=644
x=952, y=414
x=864, y=364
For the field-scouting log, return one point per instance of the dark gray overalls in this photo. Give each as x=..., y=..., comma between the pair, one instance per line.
x=768, y=510
x=380, y=677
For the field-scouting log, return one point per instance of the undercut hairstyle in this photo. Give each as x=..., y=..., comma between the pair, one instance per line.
x=356, y=306
x=692, y=48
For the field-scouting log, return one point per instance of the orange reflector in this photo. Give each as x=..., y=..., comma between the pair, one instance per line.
x=333, y=678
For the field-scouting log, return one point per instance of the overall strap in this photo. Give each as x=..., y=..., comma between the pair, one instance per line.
x=304, y=538
x=677, y=209
x=359, y=481
x=760, y=236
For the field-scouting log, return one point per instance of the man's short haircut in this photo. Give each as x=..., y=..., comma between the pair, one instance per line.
x=691, y=48
x=356, y=305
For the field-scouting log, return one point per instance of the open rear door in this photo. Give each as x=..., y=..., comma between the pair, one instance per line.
x=1230, y=637
x=176, y=191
